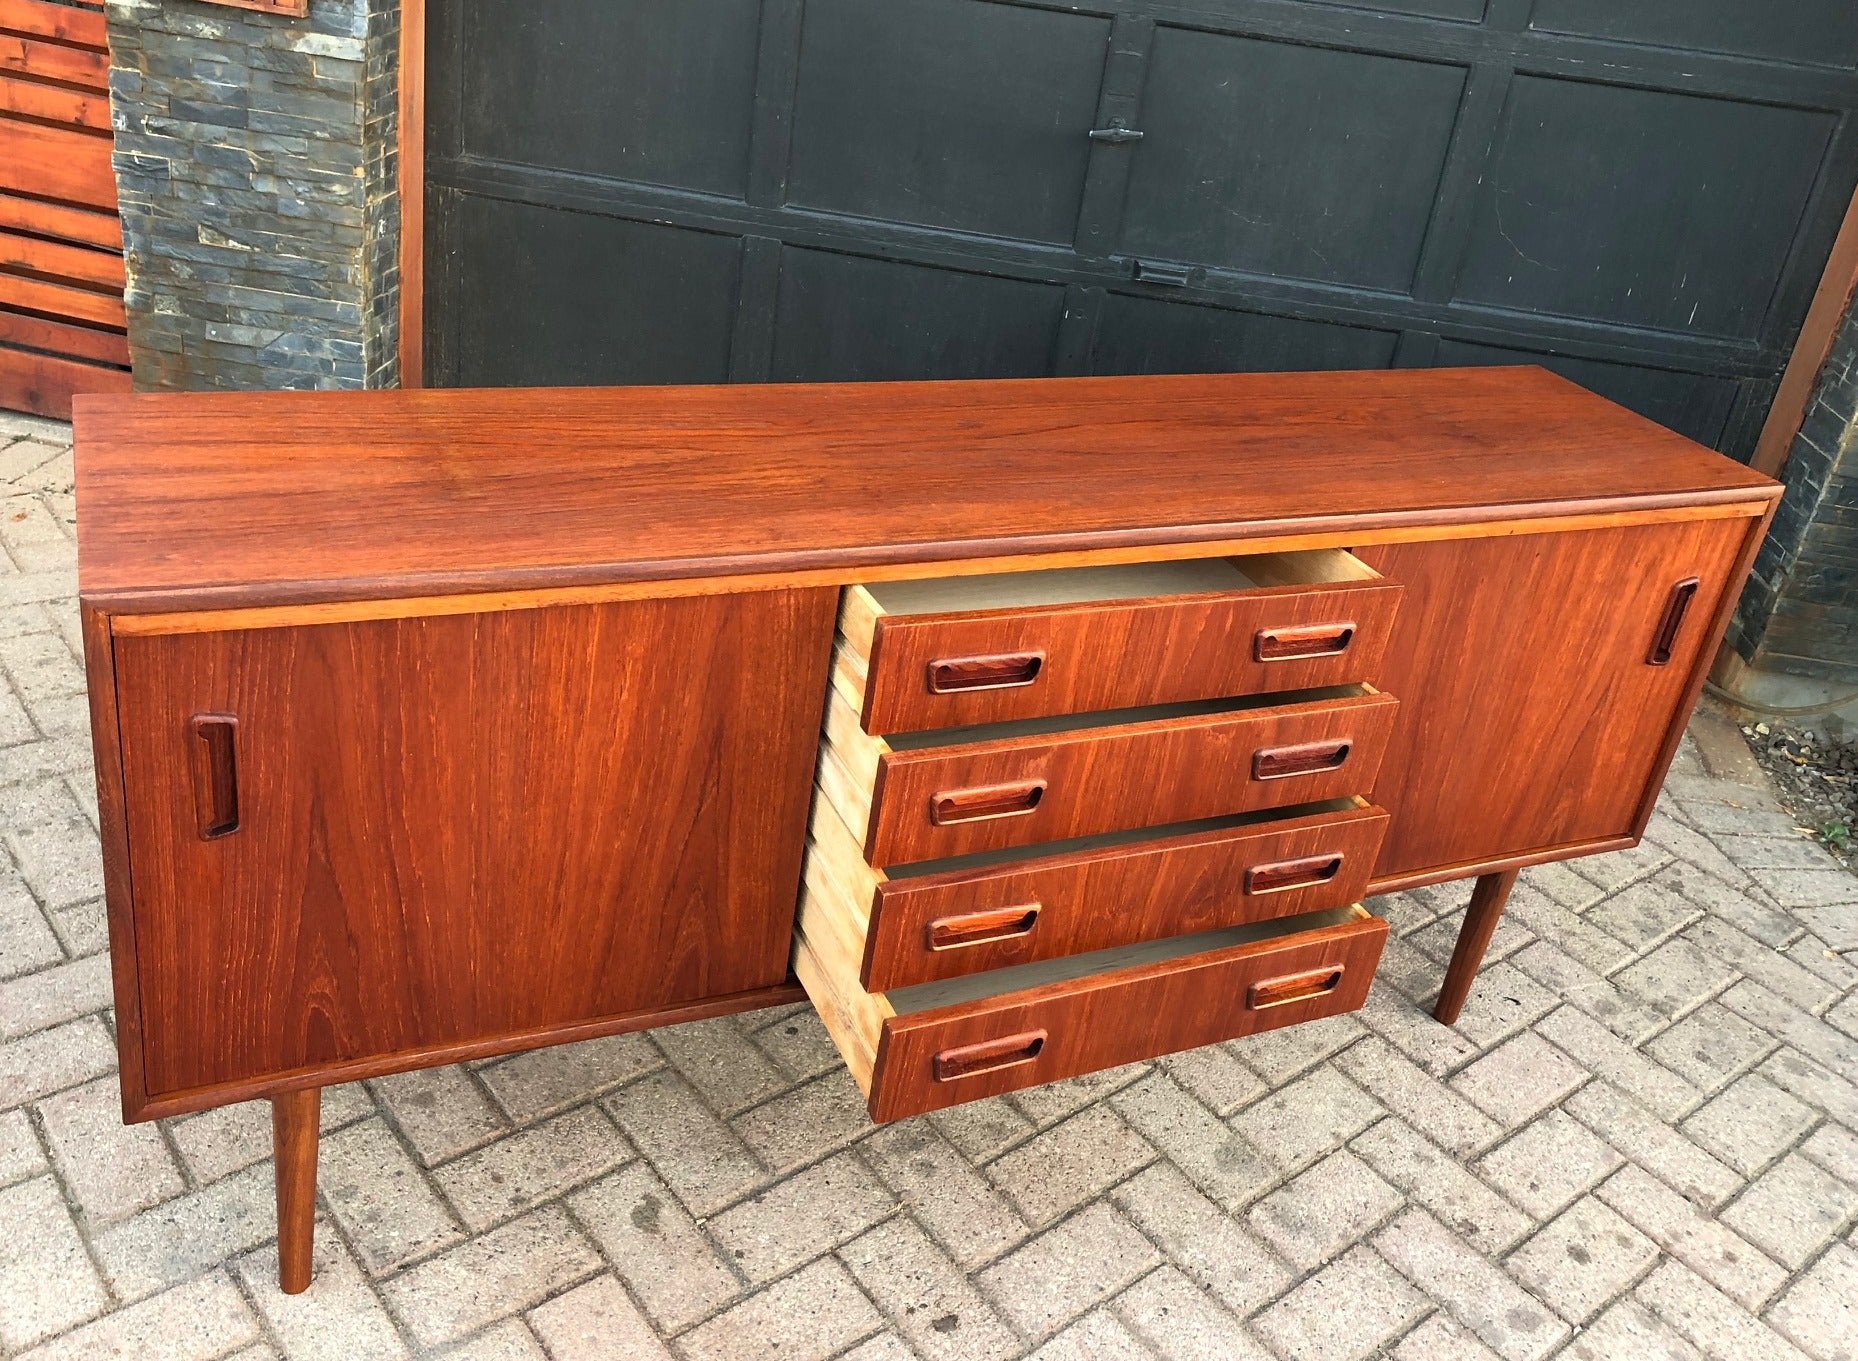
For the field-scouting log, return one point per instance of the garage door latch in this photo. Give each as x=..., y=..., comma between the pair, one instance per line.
x=1116, y=133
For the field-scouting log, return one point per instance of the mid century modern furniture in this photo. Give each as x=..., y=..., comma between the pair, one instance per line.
x=1037, y=726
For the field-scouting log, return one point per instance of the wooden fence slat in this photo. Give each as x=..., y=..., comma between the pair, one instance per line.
x=36, y=295
x=67, y=224
x=55, y=103
x=98, y=268
x=77, y=27
x=62, y=324
x=54, y=61
x=46, y=384
x=57, y=163
x=63, y=338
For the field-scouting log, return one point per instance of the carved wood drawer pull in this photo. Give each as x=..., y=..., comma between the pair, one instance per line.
x=989, y=1056
x=989, y=801
x=981, y=928
x=1274, y=763
x=1313, y=640
x=1295, y=987
x=1674, y=611
x=212, y=750
x=1003, y=671
x=1280, y=875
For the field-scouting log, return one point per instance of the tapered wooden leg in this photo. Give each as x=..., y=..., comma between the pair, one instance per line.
x=294, y=1120
x=1480, y=923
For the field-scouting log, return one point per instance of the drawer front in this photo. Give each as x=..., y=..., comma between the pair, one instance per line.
x=931, y=1059
x=947, y=671
x=935, y=802
x=945, y=925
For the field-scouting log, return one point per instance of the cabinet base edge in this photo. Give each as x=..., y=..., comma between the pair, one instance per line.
x=1472, y=869
x=328, y=1075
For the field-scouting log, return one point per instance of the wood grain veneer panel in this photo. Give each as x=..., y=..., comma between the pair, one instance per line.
x=1529, y=716
x=462, y=827
x=185, y=496
x=113, y=828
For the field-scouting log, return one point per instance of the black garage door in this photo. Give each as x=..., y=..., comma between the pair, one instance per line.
x=1638, y=193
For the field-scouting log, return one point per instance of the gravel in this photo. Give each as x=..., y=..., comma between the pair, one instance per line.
x=1816, y=779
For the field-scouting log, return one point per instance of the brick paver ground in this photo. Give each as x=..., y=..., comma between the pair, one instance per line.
x=1640, y=1142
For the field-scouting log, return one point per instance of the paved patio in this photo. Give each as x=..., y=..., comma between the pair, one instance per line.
x=1641, y=1141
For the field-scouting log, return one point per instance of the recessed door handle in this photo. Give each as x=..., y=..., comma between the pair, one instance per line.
x=1664, y=642
x=213, y=755
x=1118, y=133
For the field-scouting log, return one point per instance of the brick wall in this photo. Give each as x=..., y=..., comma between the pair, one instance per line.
x=1799, y=615
x=256, y=160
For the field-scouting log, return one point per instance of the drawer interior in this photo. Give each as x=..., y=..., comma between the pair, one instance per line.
x=1115, y=581
x=949, y=992
x=1111, y=718
x=1107, y=840
x=864, y=605
x=1060, y=586
x=855, y=881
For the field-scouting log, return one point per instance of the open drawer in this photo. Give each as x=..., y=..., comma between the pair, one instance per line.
x=944, y=918
x=939, y=1044
x=927, y=796
x=952, y=651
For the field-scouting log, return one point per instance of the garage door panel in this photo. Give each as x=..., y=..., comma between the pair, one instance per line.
x=556, y=297
x=1695, y=201
x=633, y=89
x=1653, y=183
x=1692, y=404
x=962, y=114
x=848, y=318
x=1464, y=11
x=1275, y=158
x=1817, y=32
x=1152, y=335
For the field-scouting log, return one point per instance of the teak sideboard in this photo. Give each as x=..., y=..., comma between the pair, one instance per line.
x=1034, y=727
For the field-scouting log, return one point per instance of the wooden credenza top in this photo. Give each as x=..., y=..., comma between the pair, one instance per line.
x=244, y=499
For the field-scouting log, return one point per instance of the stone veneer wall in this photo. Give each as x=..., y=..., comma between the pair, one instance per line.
x=1799, y=615
x=256, y=162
